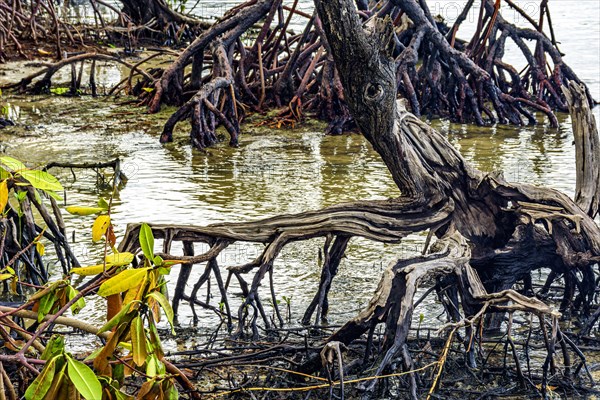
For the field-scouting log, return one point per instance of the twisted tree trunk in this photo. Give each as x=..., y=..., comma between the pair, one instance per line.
x=491, y=233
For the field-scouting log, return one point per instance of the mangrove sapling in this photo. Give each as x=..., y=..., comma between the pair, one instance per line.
x=21, y=247
x=135, y=297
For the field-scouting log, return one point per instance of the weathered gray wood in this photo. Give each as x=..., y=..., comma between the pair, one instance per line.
x=587, y=150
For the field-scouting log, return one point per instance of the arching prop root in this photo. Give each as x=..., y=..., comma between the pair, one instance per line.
x=37, y=22
x=492, y=233
x=267, y=66
x=215, y=103
x=439, y=74
x=458, y=78
x=384, y=221
x=394, y=302
x=43, y=84
x=27, y=26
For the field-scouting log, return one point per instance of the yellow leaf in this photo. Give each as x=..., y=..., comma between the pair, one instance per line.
x=40, y=248
x=3, y=195
x=112, y=260
x=87, y=271
x=4, y=277
x=125, y=345
x=100, y=226
x=123, y=281
x=76, y=210
x=136, y=292
x=44, y=52
x=119, y=259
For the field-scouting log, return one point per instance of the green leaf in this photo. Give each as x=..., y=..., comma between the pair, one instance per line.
x=55, y=346
x=58, y=380
x=4, y=174
x=171, y=392
x=166, y=306
x=84, y=379
x=122, y=282
x=102, y=203
x=12, y=163
x=138, y=341
x=59, y=91
x=76, y=210
x=46, y=304
x=38, y=198
x=79, y=304
x=154, y=367
x=147, y=241
x=155, y=342
x=94, y=354
x=54, y=195
x=20, y=196
x=116, y=319
x=41, y=180
x=40, y=386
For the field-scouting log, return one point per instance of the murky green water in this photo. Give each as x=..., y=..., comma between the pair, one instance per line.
x=272, y=172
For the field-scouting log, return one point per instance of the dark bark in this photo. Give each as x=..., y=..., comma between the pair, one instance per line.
x=439, y=74
x=491, y=233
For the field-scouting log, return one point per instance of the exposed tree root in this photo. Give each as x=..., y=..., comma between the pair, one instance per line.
x=43, y=85
x=266, y=66
x=455, y=79
x=27, y=28
x=491, y=233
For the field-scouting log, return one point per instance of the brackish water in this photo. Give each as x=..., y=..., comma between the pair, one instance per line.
x=274, y=172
